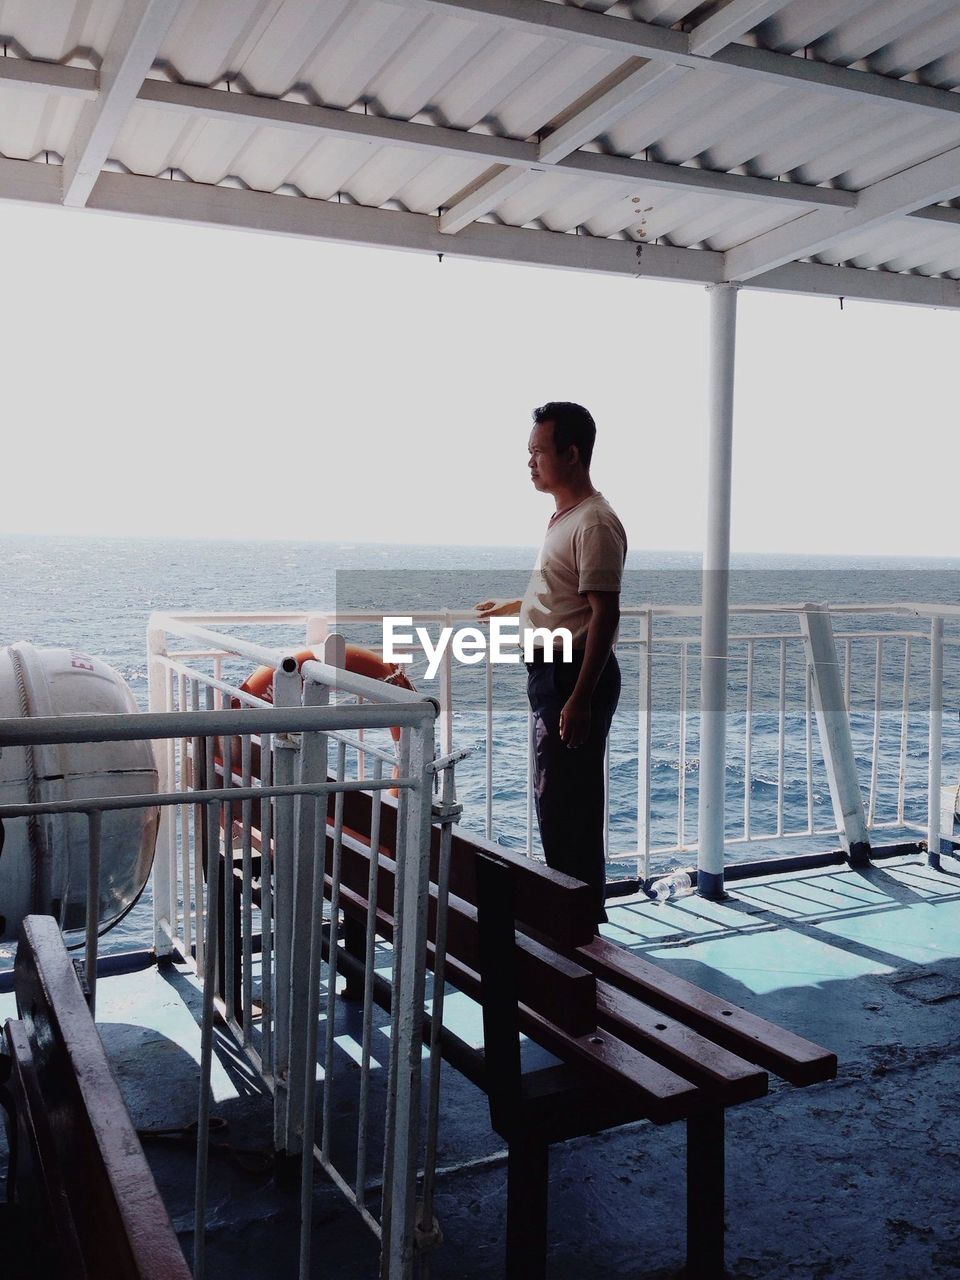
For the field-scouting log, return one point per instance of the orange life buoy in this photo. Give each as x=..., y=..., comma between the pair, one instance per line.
x=360, y=661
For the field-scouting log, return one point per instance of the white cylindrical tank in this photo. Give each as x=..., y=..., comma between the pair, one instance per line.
x=43, y=862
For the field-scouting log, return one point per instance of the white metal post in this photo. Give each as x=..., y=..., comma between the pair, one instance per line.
x=716, y=588
x=644, y=743
x=164, y=875
x=936, y=742
x=313, y=768
x=833, y=725
x=286, y=693
x=413, y=876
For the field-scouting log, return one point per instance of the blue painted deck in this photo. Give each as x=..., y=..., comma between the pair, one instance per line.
x=853, y=1180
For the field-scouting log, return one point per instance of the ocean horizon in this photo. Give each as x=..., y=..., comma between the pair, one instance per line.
x=96, y=594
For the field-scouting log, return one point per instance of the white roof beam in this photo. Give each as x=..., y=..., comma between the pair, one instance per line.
x=490, y=192
x=260, y=112
x=939, y=213
x=868, y=286
x=356, y=224
x=257, y=112
x=352, y=224
x=29, y=182
x=638, y=84
x=645, y=40
x=48, y=77
x=735, y=19
x=135, y=43
x=894, y=197
x=222, y=206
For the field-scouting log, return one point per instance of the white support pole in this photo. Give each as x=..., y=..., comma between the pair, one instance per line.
x=410, y=950
x=163, y=873
x=716, y=583
x=644, y=744
x=936, y=742
x=312, y=768
x=286, y=693
x=833, y=726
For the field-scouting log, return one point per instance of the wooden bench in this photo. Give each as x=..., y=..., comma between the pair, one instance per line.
x=634, y=1042
x=83, y=1203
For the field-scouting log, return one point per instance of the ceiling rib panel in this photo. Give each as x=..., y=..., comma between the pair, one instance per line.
x=413, y=109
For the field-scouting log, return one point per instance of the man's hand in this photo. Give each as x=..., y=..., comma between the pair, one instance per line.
x=487, y=609
x=575, y=720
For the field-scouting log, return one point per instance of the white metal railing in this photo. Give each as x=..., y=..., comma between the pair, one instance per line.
x=899, y=669
x=295, y=930
x=277, y=917
x=776, y=785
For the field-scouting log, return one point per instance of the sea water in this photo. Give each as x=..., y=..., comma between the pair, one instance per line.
x=96, y=595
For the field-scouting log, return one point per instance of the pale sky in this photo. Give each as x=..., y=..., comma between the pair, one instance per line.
x=176, y=381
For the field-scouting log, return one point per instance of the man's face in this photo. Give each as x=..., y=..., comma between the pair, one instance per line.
x=548, y=469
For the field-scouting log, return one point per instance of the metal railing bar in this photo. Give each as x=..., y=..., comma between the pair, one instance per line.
x=644, y=744
x=436, y=1019
x=246, y=898
x=530, y=754
x=214, y=682
x=94, y=830
x=875, y=748
x=781, y=736
x=170, y=747
x=682, y=749
x=446, y=719
x=133, y=726
x=267, y=998
x=808, y=727
x=378, y=691
x=229, y=897
x=195, y=763
x=399, y=959
x=370, y=947
x=343, y=1185
x=847, y=667
x=213, y=813
x=904, y=730
x=103, y=804
x=332, y=957
x=185, y=816
x=748, y=744
x=488, y=747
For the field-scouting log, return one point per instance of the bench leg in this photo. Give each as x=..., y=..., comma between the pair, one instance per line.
x=527, y=1175
x=705, y=1195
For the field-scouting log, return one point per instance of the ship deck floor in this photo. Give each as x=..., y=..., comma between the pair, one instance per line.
x=852, y=1180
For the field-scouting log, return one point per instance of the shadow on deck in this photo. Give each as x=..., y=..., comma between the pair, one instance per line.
x=852, y=1180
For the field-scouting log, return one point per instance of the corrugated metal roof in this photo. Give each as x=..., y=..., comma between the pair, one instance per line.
x=728, y=128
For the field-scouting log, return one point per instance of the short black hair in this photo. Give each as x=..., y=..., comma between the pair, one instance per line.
x=572, y=424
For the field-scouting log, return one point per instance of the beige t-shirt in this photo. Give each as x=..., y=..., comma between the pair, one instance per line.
x=584, y=550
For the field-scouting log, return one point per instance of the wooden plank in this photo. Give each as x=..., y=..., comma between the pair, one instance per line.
x=556, y=986
x=632, y=1078
x=546, y=901
x=124, y=1228
x=48, y=1231
x=797, y=1060
x=725, y=1077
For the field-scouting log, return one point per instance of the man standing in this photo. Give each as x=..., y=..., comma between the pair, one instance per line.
x=576, y=584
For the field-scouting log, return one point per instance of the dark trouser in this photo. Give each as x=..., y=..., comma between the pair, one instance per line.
x=568, y=783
